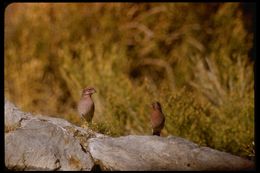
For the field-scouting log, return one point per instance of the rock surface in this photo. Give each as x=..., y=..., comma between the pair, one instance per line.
x=45, y=143
x=158, y=153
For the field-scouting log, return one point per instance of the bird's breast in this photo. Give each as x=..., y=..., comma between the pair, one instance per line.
x=84, y=106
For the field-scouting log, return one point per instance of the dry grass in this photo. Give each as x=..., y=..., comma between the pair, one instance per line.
x=193, y=58
x=11, y=128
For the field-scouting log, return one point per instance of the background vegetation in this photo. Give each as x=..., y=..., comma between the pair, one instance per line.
x=193, y=58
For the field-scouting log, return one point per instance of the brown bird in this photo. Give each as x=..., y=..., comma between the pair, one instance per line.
x=86, y=105
x=157, y=118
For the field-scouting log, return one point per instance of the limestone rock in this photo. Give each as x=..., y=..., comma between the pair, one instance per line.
x=44, y=143
x=141, y=153
x=35, y=142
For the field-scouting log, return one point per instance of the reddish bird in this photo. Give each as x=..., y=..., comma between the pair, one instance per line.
x=86, y=105
x=157, y=118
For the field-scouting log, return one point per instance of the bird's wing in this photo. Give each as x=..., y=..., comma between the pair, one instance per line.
x=90, y=112
x=159, y=122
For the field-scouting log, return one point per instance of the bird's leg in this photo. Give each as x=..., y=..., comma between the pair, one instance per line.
x=157, y=133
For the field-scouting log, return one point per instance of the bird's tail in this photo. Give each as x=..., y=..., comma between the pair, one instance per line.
x=157, y=133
